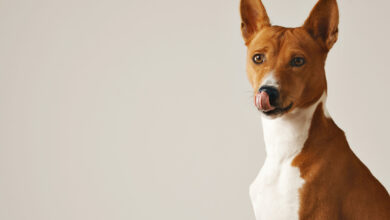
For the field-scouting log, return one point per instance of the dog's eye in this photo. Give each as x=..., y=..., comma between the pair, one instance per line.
x=258, y=58
x=297, y=61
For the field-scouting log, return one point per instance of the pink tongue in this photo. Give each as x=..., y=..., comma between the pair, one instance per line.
x=262, y=102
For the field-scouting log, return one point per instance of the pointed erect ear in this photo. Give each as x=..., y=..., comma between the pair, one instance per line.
x=253, y=18
x=323, y=22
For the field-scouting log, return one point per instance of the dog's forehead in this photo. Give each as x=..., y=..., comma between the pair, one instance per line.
x=276, y=38
x=266, y=37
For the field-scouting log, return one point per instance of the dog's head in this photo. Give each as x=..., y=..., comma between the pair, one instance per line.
x=285, y=66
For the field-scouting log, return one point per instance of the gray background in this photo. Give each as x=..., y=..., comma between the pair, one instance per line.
x=141, y=109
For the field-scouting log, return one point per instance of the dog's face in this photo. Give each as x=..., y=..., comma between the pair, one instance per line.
x=285, y=66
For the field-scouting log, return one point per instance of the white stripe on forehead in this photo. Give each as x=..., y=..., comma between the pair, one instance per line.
x=269, y=80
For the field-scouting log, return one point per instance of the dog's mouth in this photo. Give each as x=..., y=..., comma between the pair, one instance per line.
x=268, y=106
x=278, y=110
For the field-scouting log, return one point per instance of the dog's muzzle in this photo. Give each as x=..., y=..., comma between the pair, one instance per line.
x=266, y=98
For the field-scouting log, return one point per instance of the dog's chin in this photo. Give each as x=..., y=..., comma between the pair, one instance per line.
x=278, y=111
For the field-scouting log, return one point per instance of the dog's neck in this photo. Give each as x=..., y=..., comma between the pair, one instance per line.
x=285, y=136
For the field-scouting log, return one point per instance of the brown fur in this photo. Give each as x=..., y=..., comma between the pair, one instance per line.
x=337, y=184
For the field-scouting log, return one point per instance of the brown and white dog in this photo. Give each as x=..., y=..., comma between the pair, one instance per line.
x=310, y=172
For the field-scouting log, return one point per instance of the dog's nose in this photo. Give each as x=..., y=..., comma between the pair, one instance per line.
x=272, y=92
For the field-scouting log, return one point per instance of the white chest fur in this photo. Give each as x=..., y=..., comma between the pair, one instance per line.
x=275, y=191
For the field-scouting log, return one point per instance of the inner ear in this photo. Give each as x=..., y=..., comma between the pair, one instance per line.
x=253, y=18
x=322, y=23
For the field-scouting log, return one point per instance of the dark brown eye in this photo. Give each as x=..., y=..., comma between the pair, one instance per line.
x=297, y=61
x=258, y=58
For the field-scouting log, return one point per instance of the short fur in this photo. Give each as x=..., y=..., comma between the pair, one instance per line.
x=331, y=183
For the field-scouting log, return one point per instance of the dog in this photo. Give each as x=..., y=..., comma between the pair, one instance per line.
x=310, y=171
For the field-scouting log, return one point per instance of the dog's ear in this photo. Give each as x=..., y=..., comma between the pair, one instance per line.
x=323, y=22
x=253, y=18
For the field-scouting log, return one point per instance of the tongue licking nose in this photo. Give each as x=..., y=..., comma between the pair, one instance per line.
x=262, y=102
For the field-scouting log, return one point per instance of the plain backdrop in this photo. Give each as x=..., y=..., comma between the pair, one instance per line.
x=141, y=110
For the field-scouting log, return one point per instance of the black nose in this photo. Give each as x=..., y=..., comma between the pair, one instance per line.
x=272, y=92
